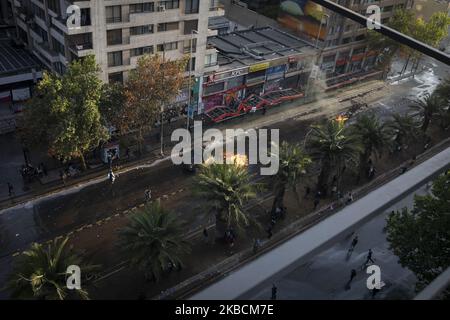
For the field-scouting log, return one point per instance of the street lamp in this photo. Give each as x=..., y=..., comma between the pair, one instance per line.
x=189, y=82
x=162, y=106
x=320, y=27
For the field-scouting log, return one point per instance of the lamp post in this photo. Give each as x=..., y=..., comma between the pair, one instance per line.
x=189, y=82
x=162, y=106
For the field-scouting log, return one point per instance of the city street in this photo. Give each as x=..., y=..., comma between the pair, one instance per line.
x=325, y=275
x=58, y=215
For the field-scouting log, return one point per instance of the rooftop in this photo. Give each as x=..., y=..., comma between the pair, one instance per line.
x=15, y=59
x=247, y=47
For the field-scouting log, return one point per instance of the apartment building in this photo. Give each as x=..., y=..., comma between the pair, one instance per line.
x=117, y=32
x=343, y=41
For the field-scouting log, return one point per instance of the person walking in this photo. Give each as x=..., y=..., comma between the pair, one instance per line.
x=316, y=203
x=148, y=195
x=307, y=192
x=10, y=190
x=274, y=292
x=44, y=169
x=62, y=175
x=352, y=275
x=269, y=232
x=350, y=198
x=369, y=258
x=205, y=235
x=256, y=245
x=354, y=243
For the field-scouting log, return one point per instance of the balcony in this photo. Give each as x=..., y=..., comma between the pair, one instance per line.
x=82, y=49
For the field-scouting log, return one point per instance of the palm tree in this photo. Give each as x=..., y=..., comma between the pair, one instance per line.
x=227, y=188
x=293, y=162
x=427, y=107
x=443, y=92
x=152, y=240
x=374, y=136
x=405, y=127
x=332, y=144
x=41, y=272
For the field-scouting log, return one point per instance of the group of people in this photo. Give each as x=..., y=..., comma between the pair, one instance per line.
x=29, y=172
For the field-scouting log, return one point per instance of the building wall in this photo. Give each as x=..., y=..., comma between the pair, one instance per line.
x=56, y=45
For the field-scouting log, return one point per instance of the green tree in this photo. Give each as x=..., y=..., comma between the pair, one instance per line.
x=427, y=108
x=113, y=107
x=227, y=188
x=64, y=115
x=374, y=137
x=421, y=237
x=293, y=163
x=41, y=272
x=153, y=84
x=333, y=144
x=152, y=239
x=405, y=129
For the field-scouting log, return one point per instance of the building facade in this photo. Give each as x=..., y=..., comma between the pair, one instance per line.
x=117, y=32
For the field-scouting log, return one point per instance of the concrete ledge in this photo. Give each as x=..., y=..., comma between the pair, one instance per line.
x=259, y=273
x=436, y=287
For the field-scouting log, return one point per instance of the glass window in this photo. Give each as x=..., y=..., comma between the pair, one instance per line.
x=113, y=14
x=114, y=37
x=114, y=58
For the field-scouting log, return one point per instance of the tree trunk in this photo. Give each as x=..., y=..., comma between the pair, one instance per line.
x=322, y=181
x=221, y=226
x=83, y=162
x=363, y=159
x=140, y=138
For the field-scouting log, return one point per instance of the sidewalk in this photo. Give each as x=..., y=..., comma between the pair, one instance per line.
x=330, y=105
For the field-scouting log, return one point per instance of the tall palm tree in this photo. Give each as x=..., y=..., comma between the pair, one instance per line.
x=374, y=137
x=333, y=144
x=293, y=163
x=41, y=272
x=427, y=107
x=227, y=188
x=405, y=128
x=443, y=92
x=152, y=240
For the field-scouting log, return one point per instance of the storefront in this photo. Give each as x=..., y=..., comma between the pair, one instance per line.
x=274, y=77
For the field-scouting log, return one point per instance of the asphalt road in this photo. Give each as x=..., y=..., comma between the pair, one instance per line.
x=44, y=219
x=325, y=276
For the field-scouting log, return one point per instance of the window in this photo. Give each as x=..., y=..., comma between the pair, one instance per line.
x=387, y=9
x=359, y=50
x=217, y=87
x=114, y=37
x=328, y=59
x=114, y=59
x=191, y=6
x=348, y=27
x=187, y=45
x=141, y=51
x=168, y=26
x=168, y=46
x=190, y=25
x=167, y=5
x=145, y=29
x=115, y=77
x=360, y=37
x=142, y=7
x=113, y=14
x=346, y=40
x=58, y=47
x=210, y=59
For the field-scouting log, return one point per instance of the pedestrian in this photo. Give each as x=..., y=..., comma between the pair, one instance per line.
x=369, y=258
x=374, y=292
x=316, y=203
x=318, y=194
x=273, y=220
x=354, y=243
x=148, y=195
x=256, y=245
x=269, y=232
x=62, y=175
x=112, y=176
x=274, y=292
x=10, y=189
x=205, y=234
x=127, y=153
x=44, y=169
x=350, y=198
x=352, y=274
x=403, y=169
x=334, y=189
x=307, y=191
